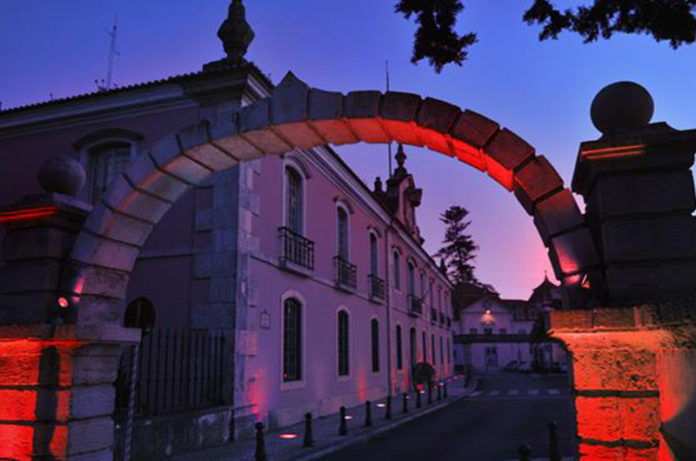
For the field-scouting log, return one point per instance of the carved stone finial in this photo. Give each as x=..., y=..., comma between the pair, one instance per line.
x=235, y=33
x=621, y=106
x=61, y=174
x=400, y=156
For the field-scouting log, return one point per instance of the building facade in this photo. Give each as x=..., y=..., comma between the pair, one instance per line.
x=494, y=334
x=281, y=286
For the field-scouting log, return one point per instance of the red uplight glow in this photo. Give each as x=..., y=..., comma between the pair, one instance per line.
x=288, y=436
x=63, y=303
x=27, y=213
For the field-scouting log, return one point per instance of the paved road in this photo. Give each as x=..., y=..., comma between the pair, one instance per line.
x=506, y=411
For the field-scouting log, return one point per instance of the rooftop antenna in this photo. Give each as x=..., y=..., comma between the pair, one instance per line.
x=389, y=146
x=113, y=52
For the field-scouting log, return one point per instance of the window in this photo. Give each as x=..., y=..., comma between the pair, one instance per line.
x=374, y=327
x=422, y=285
x=411, y=279
x=374, y=261
x=431, y=288
x=503, y=331
x=491, y=357
x=433, y=351
x=294, y=201
x=106, y=161
x=488, y=331
x=425, y=347
x=140, y=313
x=292, y=340
x=442, y=351
x=342, y=233
x=399, y=351
x=397, y=271
x=473, y=331
x=448, y=351
x=414, y=347
x=343, y=344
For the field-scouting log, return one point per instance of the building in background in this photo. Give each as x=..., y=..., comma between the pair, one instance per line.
x=281, y=286
x=494, y=334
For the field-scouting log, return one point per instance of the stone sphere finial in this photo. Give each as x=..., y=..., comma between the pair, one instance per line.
x=621, y=106
x=62, y=174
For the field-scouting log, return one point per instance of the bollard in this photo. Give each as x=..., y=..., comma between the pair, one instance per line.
x=524, y=453
x=554, y=452
x=445, y=389
x=430, y=393
x=387, y=413
x=260, y=454
x=404, y=408
x=308, y=438
x=439, y=391
x=343, y=427
x=368, y=414
x=418, y=398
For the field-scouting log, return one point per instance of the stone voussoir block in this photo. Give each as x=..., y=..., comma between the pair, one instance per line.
x=473, y=129
x=102, y=281
x=289, y=101
x=503, y=154
x=434, y=120
x=398, y=114
x=145, y=175
x=194, y=142
x=573, y=251
x=93, y=249
x=117, y=226
x=121, y=196
x=362, y=114
x=535, y=181
x=326, y=111
x=224, y=133
x=556, y=214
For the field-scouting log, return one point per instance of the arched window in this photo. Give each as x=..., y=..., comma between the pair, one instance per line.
x=414, y=347
x=422, y=285
x=106, y=161
x=374, y=327
x=425, y=347
x=431, y=288
x=411, y=279
x=140, y=313
x=397, y=271
x=343, y=344
x=374, y=259
x=292, y=340
x=342, y=233
x=432, y=349
x=399, y=350
x=294, y=200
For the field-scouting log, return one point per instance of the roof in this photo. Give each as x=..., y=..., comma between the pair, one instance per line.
x=181, y=78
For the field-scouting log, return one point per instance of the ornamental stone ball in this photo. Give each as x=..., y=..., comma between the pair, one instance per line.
x=621, y=106
x=61, y=174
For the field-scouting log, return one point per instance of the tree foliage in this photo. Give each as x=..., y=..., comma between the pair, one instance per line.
x=436, y=39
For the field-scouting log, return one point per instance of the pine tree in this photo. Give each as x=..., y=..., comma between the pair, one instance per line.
x=436, y=39
x=459, y=248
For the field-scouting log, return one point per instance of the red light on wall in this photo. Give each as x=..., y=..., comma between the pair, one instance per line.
x=63, y=303
x=27, y=213
x=613, y=152
x=288, y=436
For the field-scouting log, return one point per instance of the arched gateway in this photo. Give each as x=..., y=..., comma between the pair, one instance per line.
x=299, y=117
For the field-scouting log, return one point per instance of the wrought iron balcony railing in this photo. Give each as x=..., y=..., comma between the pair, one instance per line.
x=296, y=249
x=415, y=305
x=376, y=287
x=346, y=273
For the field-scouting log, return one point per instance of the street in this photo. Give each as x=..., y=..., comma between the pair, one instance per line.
x=505, y=412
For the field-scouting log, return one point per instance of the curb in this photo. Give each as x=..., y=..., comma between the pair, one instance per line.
x=369, y=435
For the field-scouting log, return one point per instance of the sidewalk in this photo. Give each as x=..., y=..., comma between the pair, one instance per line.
x=286, y=444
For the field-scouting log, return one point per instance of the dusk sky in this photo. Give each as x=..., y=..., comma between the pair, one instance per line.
x=541, y=91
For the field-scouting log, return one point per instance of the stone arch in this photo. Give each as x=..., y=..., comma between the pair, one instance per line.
x=296, y=116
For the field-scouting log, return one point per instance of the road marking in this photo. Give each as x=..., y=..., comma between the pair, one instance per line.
x=514, y=392
x=554, y=391
x=533, y=391
x=494, y=393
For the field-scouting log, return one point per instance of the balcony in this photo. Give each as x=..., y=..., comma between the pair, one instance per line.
x=415, y=306
x=346, y=274
x=297, y=252
x=376, y=285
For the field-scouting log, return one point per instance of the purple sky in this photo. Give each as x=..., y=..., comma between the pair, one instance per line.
x=542, y=91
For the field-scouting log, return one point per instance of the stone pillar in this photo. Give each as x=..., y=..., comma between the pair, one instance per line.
x=639, y=195
x=56, y=369
x=634, y=380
